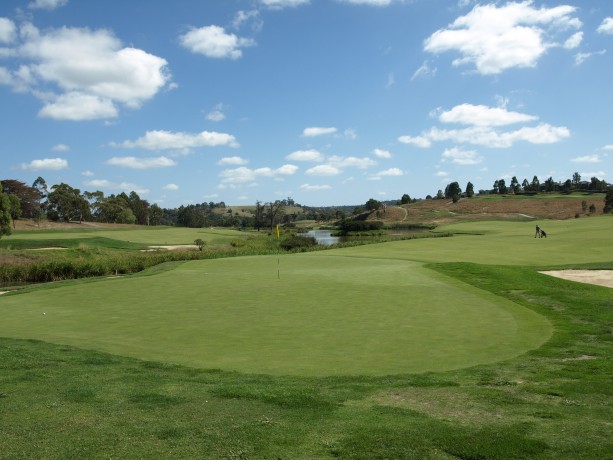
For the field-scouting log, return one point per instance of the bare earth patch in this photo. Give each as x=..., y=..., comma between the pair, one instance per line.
x=173, y=247
x=599, y=277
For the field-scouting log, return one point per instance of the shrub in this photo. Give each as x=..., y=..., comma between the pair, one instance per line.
x=297, y=242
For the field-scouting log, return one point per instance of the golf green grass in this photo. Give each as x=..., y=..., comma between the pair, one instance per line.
x=296, y=315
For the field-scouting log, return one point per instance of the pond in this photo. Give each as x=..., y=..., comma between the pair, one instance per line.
x=323, y=237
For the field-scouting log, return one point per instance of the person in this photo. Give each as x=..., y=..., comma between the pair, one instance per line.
x=538, y=231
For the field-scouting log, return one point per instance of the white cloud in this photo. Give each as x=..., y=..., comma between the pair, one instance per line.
x=8, y=31
x=238, y=161
x=418, y=141
x=245, y=17
x=163, y=140
x=481, y=115
x=77, y=106
x=244, y=174
x=368, y=2
x=424, y=71
x=317, y=131
x=47, y=4
x=608, y=147
x=314, y=188
x=61, y=148
x=441, y=174
x=87, y=173
x=69, y=66
x=350, y=134
x=488, y=137
x=50, y=164
x=598, y=174
x=587, y=159
x=214, y=42
x=580, y=58
x=574, y=41
x=379, y=153
x=496, y=38
x=606, y=27
x=462, y=157
x=113, y=186
x=323, y=170
x=305, y=155
x=391, y=172
x=279, y=4
x=141, y=163
x=345, y=162
x=171, y=187
x=216, y=114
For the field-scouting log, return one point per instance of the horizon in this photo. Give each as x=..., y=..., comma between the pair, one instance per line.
x=327, y=102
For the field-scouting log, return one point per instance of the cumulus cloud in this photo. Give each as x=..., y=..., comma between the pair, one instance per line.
x=606, y=27
x=354, y=162
x=77, y=106
x=61, y=148
x=462, y=157
x=379, y=153
x=117, y=187
x=314, y=188
x=87, y=173
x=216, y=114
x=391, y=172
x=244, y=174
x=82, y=74
x=280, y=4
x=164, y=140
x=574, y=41
x=496, y=38
x=481, y=115
x=47, y=164
x=305, y=155
x=318, y=131
x=141, y=163
x=171, y=187
x=323, y=170
x=580, y=58
x=483, y=128
x=215, y=42
x=586, y=159
x=418, y=141
x=46, y=4
x=368, y=2
x=8, y=31
x=237, y=161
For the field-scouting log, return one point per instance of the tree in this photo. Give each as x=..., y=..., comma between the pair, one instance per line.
x=372, y=204
x=5, y=213
x=453, y=191
x=535, y=185
x=470, y=190
x=155, y=214
x=502, y=187
x=496, y=185
x=525, y=185
x=576, y=179
x=274, y=212
x=550, y=185
x=440, y=195
x=258, y=215
x=29, y=197
x=608, y=201
x=515, y=185
x=41, y=186
x=15, y=208
x=200, y=243
x=66, y=203
x=405, y=199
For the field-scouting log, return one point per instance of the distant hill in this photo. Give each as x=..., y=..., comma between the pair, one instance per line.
x=505, y=207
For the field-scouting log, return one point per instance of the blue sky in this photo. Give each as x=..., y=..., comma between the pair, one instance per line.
x=329, y=102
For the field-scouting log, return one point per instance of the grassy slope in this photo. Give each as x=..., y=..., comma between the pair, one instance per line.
x=554, y=402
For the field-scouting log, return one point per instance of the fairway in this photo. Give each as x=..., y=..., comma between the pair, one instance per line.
x=331, y=315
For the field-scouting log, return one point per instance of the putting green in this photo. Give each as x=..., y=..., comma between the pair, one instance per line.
x=332, y=315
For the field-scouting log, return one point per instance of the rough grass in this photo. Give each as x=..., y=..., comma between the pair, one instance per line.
x=553, y=402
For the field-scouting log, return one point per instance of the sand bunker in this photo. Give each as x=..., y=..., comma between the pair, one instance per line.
x=599, y=277
x=174, y=247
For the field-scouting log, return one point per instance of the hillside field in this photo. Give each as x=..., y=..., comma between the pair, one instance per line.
x=434, y=348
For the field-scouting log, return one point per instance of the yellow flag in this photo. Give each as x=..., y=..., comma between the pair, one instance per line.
x=277, y=231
